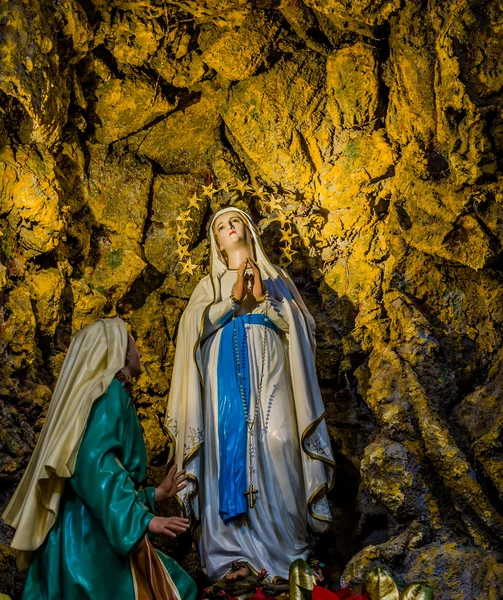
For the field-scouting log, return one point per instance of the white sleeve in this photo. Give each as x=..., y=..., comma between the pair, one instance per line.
x=218, y=315
x=274, y=310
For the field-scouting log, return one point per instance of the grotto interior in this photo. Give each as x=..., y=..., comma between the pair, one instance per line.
x=365, y=138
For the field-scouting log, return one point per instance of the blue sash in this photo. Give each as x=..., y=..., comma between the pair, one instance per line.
x=233, y=370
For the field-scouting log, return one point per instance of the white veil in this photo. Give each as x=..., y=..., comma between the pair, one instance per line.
x=95, y=355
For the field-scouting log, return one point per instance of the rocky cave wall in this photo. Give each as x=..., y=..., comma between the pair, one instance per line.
x=365, y=138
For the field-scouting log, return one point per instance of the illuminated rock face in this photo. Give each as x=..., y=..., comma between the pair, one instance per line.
x=378, y=129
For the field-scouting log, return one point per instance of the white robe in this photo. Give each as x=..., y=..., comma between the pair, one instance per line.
x=295, y=465
x=274, y=532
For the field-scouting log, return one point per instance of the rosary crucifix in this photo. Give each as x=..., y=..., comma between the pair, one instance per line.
x=251, y=495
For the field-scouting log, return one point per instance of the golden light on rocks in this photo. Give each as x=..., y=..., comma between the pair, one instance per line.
x=365, y=138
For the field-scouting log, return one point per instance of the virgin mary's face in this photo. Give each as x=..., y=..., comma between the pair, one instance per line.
x=231, y=232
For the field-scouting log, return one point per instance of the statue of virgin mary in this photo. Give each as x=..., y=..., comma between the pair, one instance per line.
x=245, y=413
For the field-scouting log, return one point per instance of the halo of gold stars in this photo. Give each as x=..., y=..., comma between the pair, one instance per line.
x=300, y=224
x=182, y=236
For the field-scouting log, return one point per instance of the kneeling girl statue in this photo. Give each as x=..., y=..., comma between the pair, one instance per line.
x=80, y=512
x=245, y=412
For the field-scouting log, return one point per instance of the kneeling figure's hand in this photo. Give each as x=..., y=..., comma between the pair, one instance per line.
x=172, y=484
x=170, y=526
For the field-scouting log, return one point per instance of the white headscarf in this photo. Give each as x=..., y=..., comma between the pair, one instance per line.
x=184, y=419
x=95, y=355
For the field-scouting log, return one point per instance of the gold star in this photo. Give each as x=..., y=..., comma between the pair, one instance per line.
x=242, y=187
x=284, y=219
x=182, y=251
x=188, y=266
x=224, y=187
x=288, y=253
x=194, y=201
x=181, y=233
x=273, y=203
x=184, y=217
x=209, y=190
x=260, y=192
x=287, y=235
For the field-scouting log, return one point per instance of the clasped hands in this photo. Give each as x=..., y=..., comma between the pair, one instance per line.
x=172, y=484
x=244, y=279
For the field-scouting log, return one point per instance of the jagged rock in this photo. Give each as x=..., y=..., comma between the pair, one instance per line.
x=461, y=131
x=181, y=72
x=177, y=61
x=410, y=77
x=273, y=116
x=3, y=277
x=221, y=12
x=306, y=24
x=361, y=278
x=392, y=473
x=88, y=304
x=353, y=86
x=480, y=418
x=182, y=142
x=365, y=160
x=16, y=441
x=30, y=68
x=119, y=191
x=373, y=130
x=73, y=22
x=71, y=162
x=132, y=36
x=47, y=287
x=366, y=11
x=30, y=197
x=448, y=228
x=150, y=325
x=18, y=331
x=457, y=572
x=125, y=106
x=237, y=53
x=10, y=580
x=119, y=264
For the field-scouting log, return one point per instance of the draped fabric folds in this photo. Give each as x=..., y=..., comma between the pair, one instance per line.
x=185, y=418
x=103, y=519
x=232, y=430
x=234, y=372
x=95, y=354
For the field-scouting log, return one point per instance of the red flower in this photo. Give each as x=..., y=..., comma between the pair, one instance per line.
x=258, y=595
x=321, y=593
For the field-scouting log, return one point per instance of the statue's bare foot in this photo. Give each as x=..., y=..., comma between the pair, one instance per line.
x=240, y=573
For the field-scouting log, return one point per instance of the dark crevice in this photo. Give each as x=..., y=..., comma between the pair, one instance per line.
x=110, y=61
x=46, y=261
x=402, y=215
x=438, y=167
x=318, y=37
x=496, y=265
x=341, y=544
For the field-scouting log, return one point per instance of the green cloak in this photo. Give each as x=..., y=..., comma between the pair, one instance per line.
x=103, y=515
